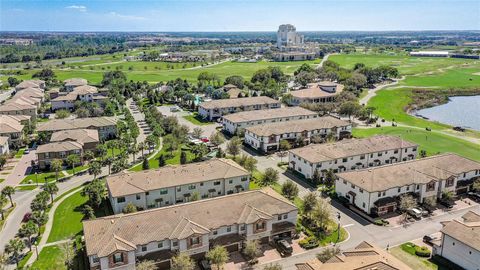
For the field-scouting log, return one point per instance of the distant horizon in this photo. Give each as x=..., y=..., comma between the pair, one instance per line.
x=238, y=15
x=246, y=31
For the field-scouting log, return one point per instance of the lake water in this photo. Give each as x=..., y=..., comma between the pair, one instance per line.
x=459, y=111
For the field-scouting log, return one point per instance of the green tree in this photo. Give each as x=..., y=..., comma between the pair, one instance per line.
x=233, y=146
x=349, y=108
x=330, y=178
x=216, y=138
x=284, y=146
x=88, y=155
x=270, y=177
x=328, y=253
x=309, y=203
x=52, y=189
x=236, y=80
x=289, y=190
x=56, y=166
x=146, y=265
x=151, y=141
x=88, y=212
x=476, y=185
x=28, y=230
x=3, y=161
x=316, y=178
x=67, y=253
x=321, y=214
x=14, y=247
x=217, y=256
x=39, y=218
x=406, y=202
x=251, y=250
x=145, y=164
x=40, y=202
x=161, y=160
x=129, y=208
x=275, y=266
x=62, y=114
x=8, y=191
x=95, y=168
x=199, y=150
x=72, y=160
x=95, y=191
x=183, y=157
x=3, y=203
x=197, y=132
x=182, y=262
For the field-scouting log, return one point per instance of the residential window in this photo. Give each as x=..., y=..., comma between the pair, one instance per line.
x=285, y=216
x=117, y=257
x=418, y=187
x=229, y=228
x=450, y=182
x=191, y=187
x=344, y=182
x=201, y=184
x=430, y=186
x=362, y=157
x=379, y=194
x=361, y=190
x=179, y=189
x=95, y=259
x=408, y=188
x=120, y=199
x=163, y=191
x=353, y=186
x=175, y=243
x=260, y=226
x=230, y=181
x=242, y=227
x=344, y=160
x=138, y=197
x=216, y=183
x=380, y=154
x=160, y=245
x=147, y=193
x=363, y=205
x=144, y=248
x=395, y=152
x=215, y=232
x=384, y=193
x=194, y=241
x=399, y=189
x=279, y=217
x=244, y=179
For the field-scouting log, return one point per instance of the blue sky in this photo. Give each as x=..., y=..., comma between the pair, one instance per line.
x=238, y=15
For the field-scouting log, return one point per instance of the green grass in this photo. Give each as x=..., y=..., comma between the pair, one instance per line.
x=20, y=152
x=405, y=64
x=67, y=220
x=24, y=260
x=171, y=159
x=406, y=253
x=196, y=119
x=430, y=141
x=49, y=258
x=1, y=180
x=5, y=215
x=25, y=188
x=42, y=177
x=77, y=169
x=332, y=238
x=458, y=77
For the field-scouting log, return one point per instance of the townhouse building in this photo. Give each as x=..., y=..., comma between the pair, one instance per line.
x=176, y=184
x=106, y=126
x=236, y=122
x=365, y=256
x=351, y=154
x=13, y=129
x=30, y=84
x=84, y=93
x=319, y=92
x=460, y=241
x=87, y=137
x=217, y=108
x=11, y=107
x=376, y=190
x=267, y=137
x=71, y=84
x=57, y=150
x=117, y=242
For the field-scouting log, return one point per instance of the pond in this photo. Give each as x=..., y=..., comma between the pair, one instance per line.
x=461, y=111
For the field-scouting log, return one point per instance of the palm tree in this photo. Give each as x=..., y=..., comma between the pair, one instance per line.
x=14, y=247
x=56, y=165
x=218, y=256
x=109, y=161
x=72, y=160
x=102, y=151
x=133, y=149
x=3, y=203
x=141, y=146
x=8, y=191
x=52, y=189
x=94, y=168
x=28, y=230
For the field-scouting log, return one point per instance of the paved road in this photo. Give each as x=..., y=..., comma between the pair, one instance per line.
x=140, y=119
x=22, y=168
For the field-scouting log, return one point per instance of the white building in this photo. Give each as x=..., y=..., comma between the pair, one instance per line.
x=71, y=84
x=352, y=154
x=4, y=149
x=106, y=126
x=237, y=122
x=287, y=36
x=176, y=184
x=430, y=54
x=267, y=137
x=217, y=108
x=85, y=93
x=460, y=241
x=117, y=242
x=376, y=190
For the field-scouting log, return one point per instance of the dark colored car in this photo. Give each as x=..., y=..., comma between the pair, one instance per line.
x=428, y=239
x=26, y=217
x=205, y=265
x=284, y=248
x=447, y=203
x=474, y=196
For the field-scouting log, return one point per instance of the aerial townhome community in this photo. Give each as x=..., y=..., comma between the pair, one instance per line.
x=217, y=108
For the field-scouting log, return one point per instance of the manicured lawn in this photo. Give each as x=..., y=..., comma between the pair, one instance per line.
x=77, y=169
x=67, y=220
x=430, y=141
x=196, y=119
x=42, y=177
x=5, y=215
x=452, y=78
x=20, y=152
x=333, y=237
x=49, y=258
x=406, y=254
x=1, y=180
x=171, y=159
x=26, y=188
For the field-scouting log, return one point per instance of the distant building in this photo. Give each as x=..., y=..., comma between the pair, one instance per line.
x=237, y=122
x=430, y=54
x=84, y=93
x=377, y=190
x=171, y=185
x=106, y=126
x=320, y=92
x=267, y=137
x=287, y=36
x=216, y=108
x=57, y=150
x=70, y=84
x=12, y=128
x=460, y=241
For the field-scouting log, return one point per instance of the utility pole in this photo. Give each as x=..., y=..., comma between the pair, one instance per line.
x=338, y=229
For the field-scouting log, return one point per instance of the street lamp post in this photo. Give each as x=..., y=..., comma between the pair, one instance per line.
x=338, y=229
x=36, y=177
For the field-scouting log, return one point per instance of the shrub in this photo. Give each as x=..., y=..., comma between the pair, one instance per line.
x=309, y=242
x=422, y=251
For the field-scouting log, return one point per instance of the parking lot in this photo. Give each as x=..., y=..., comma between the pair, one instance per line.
x=207, y=129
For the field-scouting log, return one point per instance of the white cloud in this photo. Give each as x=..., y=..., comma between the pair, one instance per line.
x=79, y=8
x=125, y=17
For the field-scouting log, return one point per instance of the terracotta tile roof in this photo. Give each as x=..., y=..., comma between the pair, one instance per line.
x=79, y=90
x=13, y=105
x=363, y=257
x=410, y=172
x=59, y=147
x=123, y=184
x=295, y=126
x=80, y=135
x=29, y=84
x=314, y=90
x=77, y=123
x=466, y=231
x=9, y=124
x=248, y=101
x=258, y=115
x=75, y=82
x=182, y=220
x=346, y=148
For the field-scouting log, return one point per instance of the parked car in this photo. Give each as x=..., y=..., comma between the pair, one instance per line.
x=204, y=139
x=474, y=196
x=205, y=265
x=283, y=247
x=447, y=203
x=27, y=217
x=174, y=109
x=428, y=239
x=415, y=213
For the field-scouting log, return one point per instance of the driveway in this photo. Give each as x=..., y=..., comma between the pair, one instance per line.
x=22, y=168
x=207, y=129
